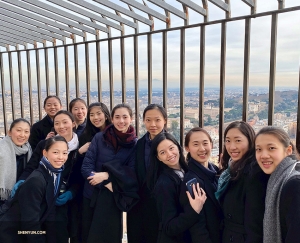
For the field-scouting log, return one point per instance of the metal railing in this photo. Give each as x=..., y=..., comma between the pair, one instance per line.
x=10, y=98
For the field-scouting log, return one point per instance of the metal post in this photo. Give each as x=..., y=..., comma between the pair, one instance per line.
x=3, y=93
x=67, y=77
x=272, y=68
x=47, y=69
x=136, y=84
x=149, y=56
x=56, y=71
x=99, y=82
x=38, y=79
x=76, y=69
x=182, y=83
x=12, y=89
x=298, y=118
x=29, y=85
x=246, y=68
x=222, y=84
x=201, y=81
x=87, y=73
x=123, y=76
x=111, y=74
x=165, y=68
x=20, y=83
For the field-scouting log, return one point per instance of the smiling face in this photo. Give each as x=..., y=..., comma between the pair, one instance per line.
x=20, y=133
x=79, y=111
x=168, y=153
x=52, y=106
x=236, y=144
x=57, y=154
x=97, y=117
x=154, y=122
x=121, y=119
x=199, y=147
x=270, y=152
x=63, y=125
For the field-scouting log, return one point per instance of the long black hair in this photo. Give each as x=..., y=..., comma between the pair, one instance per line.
x=156, y=166
x=237, y=168
x=90, y=130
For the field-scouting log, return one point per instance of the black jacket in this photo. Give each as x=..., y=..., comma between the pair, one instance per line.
x=207, y=229
x=71, y=168
x=39, y=131
x=289, y=210
x=142, y=219
x=32, y=209
x=174, y=220
x=243, y=206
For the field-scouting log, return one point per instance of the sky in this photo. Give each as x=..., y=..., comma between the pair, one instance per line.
x=288, y=50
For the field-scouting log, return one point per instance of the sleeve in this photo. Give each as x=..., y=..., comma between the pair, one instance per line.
x=290, y=210
x=198, y=231
x=34, y=161
x=255, y=207
x=35, y=136
x=173, y=221
x=30, y=197
x=89, y=161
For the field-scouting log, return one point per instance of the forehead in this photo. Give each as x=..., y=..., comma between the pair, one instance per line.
x=52, y=100
x=198, y=136
x=165, y=144
x=95, y=109
x=79, y=104
x=153, y=113
x=59, y=145
x=22, y=125
x=235, y=132
x=62, y=117
x=121, y=112
x=265, y=139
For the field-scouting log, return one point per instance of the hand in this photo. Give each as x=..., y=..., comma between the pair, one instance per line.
x=109, y=187
x=63, y=198
x=84, y=148
x=50, y=135
x=15, y=188
x=200, y=198
x=98, y=178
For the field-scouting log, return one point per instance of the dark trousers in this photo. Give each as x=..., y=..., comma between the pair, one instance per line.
x=87, y=217
x=61, y=224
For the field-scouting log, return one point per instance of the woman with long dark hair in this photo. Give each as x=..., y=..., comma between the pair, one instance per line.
x=142, y=219
x=111, y=185
x=166, y=172
x=98, y=118
x=241, y=186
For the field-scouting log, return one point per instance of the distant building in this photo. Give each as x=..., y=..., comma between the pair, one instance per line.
x=253, y=107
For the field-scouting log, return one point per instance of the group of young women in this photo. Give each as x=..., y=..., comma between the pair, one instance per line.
x=87, y=167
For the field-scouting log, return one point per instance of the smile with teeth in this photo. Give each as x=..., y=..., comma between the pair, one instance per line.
x=172, y=159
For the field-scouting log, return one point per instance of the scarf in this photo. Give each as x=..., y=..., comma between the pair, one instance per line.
x=73, y=144
x=118, y=139
x=8, y=164
x=223, y=181
x=284, y=171
x=54, y=172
